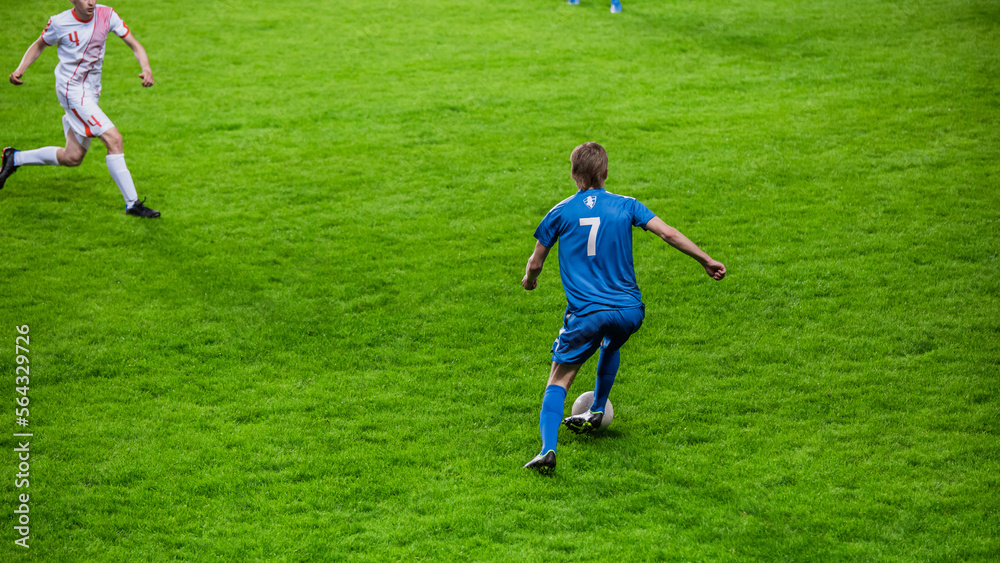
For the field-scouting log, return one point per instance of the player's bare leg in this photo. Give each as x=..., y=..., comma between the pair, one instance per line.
x=76, y=147
x=563, y=374
x=71, y=155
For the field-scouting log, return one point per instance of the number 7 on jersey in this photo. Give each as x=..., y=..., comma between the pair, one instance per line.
x=594, y=223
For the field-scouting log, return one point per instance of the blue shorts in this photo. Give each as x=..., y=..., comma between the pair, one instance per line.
x=580, y=337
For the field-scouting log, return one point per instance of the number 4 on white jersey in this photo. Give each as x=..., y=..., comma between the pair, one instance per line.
x=594, y=223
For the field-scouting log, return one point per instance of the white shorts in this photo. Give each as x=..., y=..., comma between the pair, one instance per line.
x=68, y=130
x=85, y=116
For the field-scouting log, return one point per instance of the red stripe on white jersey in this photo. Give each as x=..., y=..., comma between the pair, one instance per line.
x=86, y=126
x=92, y=53
x=47, y=26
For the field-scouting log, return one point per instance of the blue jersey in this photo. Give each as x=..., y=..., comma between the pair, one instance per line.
x=594, y=230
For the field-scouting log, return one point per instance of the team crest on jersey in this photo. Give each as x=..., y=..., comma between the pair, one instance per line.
x=590, y=201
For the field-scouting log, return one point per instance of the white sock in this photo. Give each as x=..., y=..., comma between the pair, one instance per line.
x=122, y=177
x=45, y=156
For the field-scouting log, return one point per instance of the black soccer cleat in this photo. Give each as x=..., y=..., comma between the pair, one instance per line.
x=544, y=464
x=7, y=167
x=140, y=210
x=584, y=423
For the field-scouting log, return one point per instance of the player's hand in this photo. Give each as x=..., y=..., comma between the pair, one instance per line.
x=147, y=78
x=716, y=270
x=15, y=78
x=528, y=284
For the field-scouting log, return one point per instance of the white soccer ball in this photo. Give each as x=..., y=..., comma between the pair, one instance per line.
x=582, y=405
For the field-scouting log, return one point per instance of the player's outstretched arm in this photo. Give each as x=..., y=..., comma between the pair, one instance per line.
x=30, y=56
x=676, y=239
x=534, y=267
x=140, y=55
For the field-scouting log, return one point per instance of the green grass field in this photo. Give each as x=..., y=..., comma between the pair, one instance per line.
x=321, y=351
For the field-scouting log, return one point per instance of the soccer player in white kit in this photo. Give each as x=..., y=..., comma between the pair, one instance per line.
x=81, y=34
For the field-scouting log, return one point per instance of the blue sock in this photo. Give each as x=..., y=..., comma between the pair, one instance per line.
x=550, y=417
x=607, y=368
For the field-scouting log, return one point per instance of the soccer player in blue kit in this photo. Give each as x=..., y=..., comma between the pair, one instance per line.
x=604, y=306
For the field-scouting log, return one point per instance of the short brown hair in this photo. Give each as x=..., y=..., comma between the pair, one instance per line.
x=590, y=161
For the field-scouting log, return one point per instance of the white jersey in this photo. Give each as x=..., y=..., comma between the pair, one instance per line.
x=81, y=50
